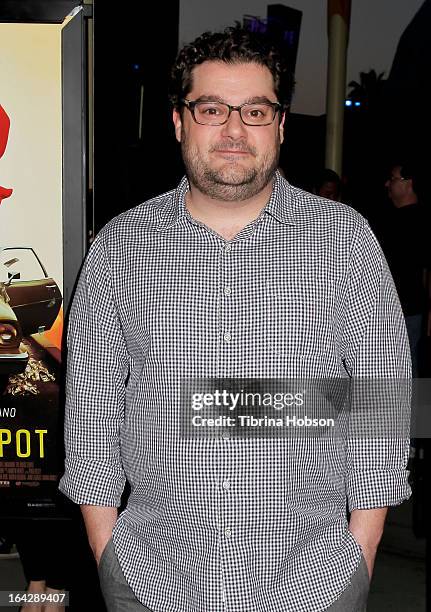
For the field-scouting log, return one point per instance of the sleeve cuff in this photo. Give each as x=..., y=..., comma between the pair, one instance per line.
x=367, y=489
x=96, y=483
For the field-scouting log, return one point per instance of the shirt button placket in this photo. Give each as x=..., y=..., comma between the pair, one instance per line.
x=226, y=291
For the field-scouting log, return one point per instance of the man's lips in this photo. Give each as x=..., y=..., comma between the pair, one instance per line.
x=233, y=152
x=230, y=148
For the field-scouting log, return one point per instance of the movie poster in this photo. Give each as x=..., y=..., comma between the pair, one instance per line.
x=31, y=260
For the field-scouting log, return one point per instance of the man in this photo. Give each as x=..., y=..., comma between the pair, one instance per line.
x=404, y=241
x=234, y=275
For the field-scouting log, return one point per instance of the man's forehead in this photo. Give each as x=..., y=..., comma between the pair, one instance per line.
x=212, y=75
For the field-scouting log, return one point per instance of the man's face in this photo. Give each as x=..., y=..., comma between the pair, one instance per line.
x=230, y=162
x=397, y=186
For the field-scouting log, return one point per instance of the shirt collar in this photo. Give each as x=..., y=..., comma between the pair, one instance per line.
x=280, y=204
x=175, y=206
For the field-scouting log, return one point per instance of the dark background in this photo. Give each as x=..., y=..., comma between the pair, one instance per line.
x=139, y=51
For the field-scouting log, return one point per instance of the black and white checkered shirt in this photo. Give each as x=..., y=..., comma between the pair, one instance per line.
x=229, y=524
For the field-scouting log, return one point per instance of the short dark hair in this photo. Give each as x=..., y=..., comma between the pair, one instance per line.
x=234, y=45
x=326, y=176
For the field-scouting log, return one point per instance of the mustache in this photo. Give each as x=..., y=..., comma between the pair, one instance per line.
x=233, y=146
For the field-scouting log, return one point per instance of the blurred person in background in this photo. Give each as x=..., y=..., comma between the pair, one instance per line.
x=328, y=185
x=404, y=239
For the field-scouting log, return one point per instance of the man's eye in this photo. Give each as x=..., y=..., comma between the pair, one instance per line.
x=256, y=112
x=210, y=110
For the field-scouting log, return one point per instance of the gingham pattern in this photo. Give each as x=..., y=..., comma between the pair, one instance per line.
x=229, y=525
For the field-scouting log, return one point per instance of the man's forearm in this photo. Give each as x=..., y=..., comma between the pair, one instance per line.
x=99, y=523
x=367, y=529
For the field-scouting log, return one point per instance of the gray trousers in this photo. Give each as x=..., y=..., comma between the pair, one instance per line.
x=119, y=596
x=354, y=598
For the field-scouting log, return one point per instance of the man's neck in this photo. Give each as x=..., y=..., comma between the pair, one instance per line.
x=226, y=218
x=406, y=202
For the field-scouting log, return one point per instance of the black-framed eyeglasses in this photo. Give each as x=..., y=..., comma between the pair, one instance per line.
x=218, y=113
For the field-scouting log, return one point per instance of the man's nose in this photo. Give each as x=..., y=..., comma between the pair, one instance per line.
x=234, y=126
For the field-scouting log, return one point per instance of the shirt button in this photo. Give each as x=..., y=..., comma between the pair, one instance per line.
x=228, y=532
x=225, y=435
x=226, y=485
x=227, y=291
x=228, y=248
x=227, y=337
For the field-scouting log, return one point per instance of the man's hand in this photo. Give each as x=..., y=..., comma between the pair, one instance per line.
x=99, y=523
x=366, y=527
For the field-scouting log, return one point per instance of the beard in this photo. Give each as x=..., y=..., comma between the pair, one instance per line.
x=231, y=182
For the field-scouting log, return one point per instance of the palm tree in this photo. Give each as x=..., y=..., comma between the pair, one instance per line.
x=369, y=88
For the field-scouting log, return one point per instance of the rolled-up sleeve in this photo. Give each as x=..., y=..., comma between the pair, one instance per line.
x=97, y=369
x=377, y=357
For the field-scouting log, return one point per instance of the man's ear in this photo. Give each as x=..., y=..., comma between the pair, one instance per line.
x=178, y=124
x=281, y=127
